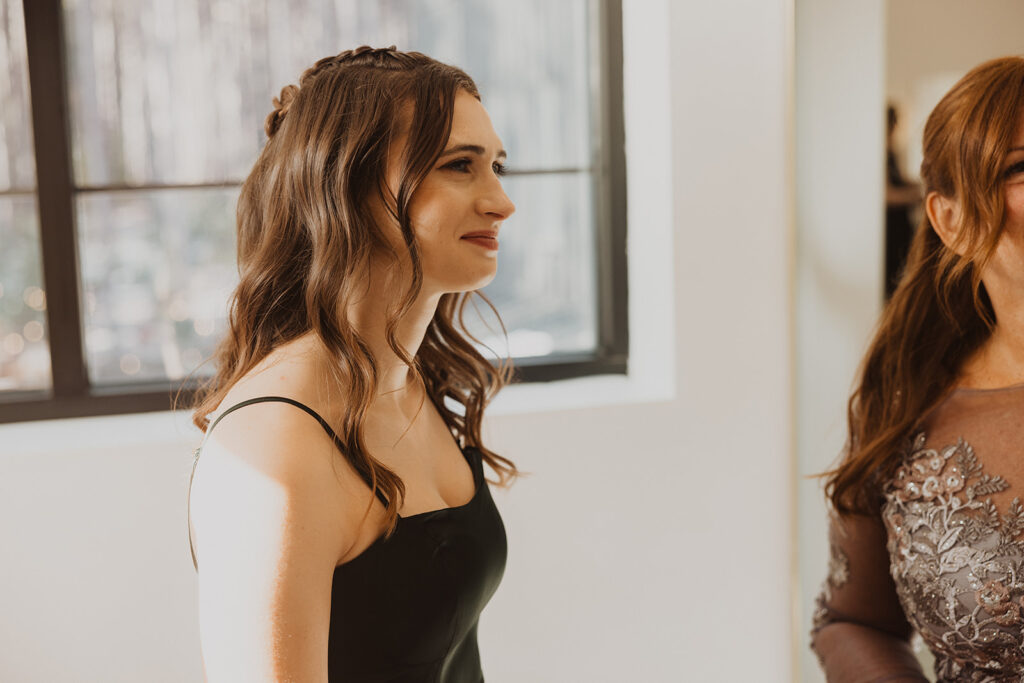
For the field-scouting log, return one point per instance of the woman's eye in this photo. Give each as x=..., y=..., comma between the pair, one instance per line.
x=1014, y=169
x=460, y=165
x=465, y=166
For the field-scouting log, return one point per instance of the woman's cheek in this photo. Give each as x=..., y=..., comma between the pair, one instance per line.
x=1015, y=206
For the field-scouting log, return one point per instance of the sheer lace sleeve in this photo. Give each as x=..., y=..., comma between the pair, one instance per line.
x=860, y=632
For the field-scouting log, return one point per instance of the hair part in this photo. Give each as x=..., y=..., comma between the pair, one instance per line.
x=940, y=313
x=307, y=232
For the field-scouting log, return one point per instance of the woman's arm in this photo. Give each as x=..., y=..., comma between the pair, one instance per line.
x=861, y=634
x=268, y=533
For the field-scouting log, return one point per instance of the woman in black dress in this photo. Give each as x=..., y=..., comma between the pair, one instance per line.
x=339, y=519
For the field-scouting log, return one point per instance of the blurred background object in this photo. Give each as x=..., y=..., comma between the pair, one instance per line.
x=902, y=207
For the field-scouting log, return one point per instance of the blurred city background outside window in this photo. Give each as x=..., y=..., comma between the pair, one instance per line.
x=24, y=347
x=166, y=107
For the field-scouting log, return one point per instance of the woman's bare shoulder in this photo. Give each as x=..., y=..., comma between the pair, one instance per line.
x=280, y=445
x=269, y=526
x=294, y=371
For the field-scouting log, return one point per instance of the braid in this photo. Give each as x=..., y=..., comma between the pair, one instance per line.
x=281, y=106
x=381, y=57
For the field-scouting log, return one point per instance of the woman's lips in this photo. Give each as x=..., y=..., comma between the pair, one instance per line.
x=486, y=242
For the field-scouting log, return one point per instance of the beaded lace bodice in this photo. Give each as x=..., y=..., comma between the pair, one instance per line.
x=953, y=533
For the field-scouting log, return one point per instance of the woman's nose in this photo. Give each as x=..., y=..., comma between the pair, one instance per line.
x=496, y=203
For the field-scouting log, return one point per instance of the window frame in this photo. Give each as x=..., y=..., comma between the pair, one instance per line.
x=72, y=394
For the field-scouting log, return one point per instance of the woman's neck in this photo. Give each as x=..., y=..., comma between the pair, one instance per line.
x=999, y=362
x=397, y=385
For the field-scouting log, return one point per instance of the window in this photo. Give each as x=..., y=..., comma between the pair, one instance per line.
x=146, y=117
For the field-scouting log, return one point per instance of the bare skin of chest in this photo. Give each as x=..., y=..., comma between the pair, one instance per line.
x=427, y=459
x=404, y=432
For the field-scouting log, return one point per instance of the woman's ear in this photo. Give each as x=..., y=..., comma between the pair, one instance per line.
x=944, y=216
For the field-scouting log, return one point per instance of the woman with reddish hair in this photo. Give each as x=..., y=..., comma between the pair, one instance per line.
x=339, y=518
x=927, y=527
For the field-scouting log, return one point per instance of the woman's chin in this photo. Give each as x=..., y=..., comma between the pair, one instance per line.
x=469, y=282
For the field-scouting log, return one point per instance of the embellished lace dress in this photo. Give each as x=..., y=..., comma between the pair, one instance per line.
x=943, y=556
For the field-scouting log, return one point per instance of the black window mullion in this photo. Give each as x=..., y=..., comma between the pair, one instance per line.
x=610, y=214
x=44, y=38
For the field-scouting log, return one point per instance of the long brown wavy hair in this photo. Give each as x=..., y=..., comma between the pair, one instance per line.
x=940, y=313
x=306, y=234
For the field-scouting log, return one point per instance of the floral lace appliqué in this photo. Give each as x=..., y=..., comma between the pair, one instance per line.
x=838, y=575
x=957, y=562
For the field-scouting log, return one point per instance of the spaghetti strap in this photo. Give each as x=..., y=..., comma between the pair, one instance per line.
x=281, y=399
x=241, y=404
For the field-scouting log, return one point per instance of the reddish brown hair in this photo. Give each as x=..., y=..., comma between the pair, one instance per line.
x=940, y=313
x=306, y=234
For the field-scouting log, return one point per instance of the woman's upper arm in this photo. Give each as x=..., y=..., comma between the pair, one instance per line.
x=860, y=630
x=859, y=586
x=268, y=533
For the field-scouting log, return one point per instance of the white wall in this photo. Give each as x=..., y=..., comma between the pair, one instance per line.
x=653, y=540
x=840, y=155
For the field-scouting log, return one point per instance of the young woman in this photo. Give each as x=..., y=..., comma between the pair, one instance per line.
x=339, y=517
x=927, y=528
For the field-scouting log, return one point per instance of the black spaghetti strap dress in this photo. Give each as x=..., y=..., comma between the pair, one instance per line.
x=406, y=609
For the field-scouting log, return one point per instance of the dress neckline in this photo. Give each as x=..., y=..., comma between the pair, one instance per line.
x=476, y=490
x=454, y=509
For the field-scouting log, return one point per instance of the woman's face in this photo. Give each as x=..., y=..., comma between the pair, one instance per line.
x=457, y=211
x=1006, y=268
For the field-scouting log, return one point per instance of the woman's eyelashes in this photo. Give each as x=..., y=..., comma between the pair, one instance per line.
x=465, y=166
x=1014, y=169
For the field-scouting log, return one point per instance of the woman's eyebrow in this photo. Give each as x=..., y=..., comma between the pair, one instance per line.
x=474, y=149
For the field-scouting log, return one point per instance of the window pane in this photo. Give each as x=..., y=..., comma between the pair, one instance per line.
x=17, y=160
x=24, y=349
x=157, y=270
x=545, y=289
x=177, y=92
x=532, y=67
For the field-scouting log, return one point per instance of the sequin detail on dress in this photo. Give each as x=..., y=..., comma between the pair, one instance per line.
x=957, y=562
x=838, y=575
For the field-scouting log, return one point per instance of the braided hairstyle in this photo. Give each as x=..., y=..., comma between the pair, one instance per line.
x=381, y=57
x=306, y=233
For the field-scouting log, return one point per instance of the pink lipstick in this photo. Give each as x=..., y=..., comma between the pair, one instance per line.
x=486, y=242
x=485, y=238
